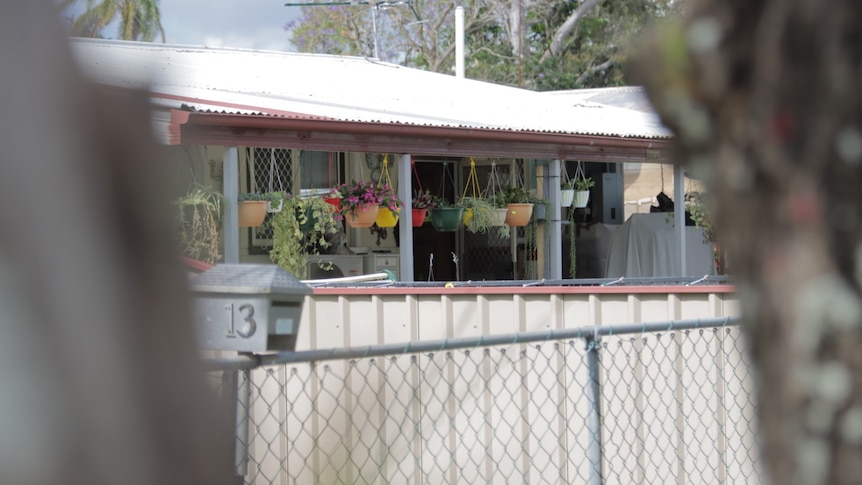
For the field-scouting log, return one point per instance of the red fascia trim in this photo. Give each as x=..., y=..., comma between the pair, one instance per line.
x=528, y=290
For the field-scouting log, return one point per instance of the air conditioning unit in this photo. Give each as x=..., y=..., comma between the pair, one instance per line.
x=334, y=266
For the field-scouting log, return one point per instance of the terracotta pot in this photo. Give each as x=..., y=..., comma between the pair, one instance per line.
x=419, y=217
x=386, y=217
x=518, y=215
x=252, y=213
x=363, y=216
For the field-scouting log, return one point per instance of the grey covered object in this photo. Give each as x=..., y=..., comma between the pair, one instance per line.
x=646, y=246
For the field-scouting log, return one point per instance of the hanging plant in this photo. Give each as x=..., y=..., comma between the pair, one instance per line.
x=359, y=202
x=422, y=202
x=301, y=229
x=582, y=187
x=197, y=223
x=567, y=188
x=445, y=216
x=390, y=204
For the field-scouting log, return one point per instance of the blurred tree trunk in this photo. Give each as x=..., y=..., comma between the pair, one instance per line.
x=100, y=381
x=765, y=98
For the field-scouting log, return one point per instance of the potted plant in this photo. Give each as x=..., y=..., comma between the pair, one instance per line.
x=360, y=202
x=253, y=205
x=390, y=206
x=197, y=223
x=567, y=193
x=300, y=229
x=582, y=191
x=481, y=214
x=422, y=203
x=518, y=205
x=446, y=217
x=540, y=208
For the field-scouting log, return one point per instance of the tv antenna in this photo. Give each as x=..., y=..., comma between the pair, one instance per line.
x=375, y=5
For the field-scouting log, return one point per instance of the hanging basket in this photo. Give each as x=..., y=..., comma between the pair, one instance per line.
x=467, y=216
x=566, y=197
x=499, y=216
x=446, y=219
x=252, y=213
x=334, y=202
x=419, y=217
x=540, y=211
x=582, y=197
x=386, y=217
x=274, y=207
x=518, y=215
x=363, y=216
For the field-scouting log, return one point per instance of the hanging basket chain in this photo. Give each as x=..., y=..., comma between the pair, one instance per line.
x=564, y=175
x=472, y=182
x=384, y=174
x=579, y=172
x=416, y=175
x=494, y=186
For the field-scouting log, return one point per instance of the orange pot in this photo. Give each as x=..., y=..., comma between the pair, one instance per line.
x=363, y=216
x=518, y=215
x=252, y=213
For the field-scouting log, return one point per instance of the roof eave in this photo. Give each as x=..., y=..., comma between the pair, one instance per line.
x=279, y=132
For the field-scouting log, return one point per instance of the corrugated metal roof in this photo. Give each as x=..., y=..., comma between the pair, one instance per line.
x=295, y=85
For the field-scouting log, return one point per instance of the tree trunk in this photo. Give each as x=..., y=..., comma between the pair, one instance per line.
x=765, y=99
x=567, y=27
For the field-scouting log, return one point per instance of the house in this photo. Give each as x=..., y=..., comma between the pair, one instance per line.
x=257, y=121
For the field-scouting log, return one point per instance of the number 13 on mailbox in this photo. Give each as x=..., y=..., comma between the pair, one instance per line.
x=247, y=308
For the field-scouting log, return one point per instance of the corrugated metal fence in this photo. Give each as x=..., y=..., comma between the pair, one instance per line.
x=665, y=402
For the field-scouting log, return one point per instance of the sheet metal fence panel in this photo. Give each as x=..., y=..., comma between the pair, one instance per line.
x=671, y=403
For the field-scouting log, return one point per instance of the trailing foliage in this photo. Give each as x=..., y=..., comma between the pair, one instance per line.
x=197, y=223
x=300, y=229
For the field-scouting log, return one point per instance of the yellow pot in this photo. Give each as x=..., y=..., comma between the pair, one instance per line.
x=386, y=217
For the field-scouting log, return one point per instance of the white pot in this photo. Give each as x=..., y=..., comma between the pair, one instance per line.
x=566, y=197
x=581, y=198
x=274, y=208
x=499, y=217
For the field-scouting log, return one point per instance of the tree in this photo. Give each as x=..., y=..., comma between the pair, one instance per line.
x=765, y=100
x=539, y=44
x=137, y=19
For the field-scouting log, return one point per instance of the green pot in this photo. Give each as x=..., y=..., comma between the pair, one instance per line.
x=446, y=219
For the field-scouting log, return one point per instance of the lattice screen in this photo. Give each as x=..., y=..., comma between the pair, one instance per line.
x=269, y=170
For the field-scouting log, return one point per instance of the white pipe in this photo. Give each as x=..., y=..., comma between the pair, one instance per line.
x=349, y=279
x=679, y=215
x=230, y=221
x=459, y=41
x=405, y=254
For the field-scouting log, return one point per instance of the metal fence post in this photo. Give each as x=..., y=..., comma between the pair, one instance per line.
x=243, y=400
x=594, y=421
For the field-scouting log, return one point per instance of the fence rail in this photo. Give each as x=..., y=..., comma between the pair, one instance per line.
x=645, y=403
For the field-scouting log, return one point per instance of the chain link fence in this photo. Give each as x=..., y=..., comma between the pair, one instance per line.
x=600, y=405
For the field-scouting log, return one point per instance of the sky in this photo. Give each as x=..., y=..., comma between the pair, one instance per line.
x=250, y=24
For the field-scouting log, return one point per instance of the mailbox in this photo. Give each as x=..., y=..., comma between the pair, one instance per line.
x=247, y=307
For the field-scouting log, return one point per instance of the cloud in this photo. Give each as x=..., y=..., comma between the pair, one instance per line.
x=249, y=24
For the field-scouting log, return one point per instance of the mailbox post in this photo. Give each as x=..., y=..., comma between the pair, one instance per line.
x=246, y=308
